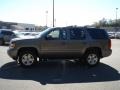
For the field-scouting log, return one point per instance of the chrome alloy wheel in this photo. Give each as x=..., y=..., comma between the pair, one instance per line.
x=92, y=59
x=27, y=59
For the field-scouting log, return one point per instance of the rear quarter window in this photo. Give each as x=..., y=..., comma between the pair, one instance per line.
x=98, y=33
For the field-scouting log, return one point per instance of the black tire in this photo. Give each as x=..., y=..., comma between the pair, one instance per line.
x=24, y=58
x=92, y=58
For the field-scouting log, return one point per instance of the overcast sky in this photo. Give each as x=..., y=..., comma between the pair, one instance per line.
x=67, y=12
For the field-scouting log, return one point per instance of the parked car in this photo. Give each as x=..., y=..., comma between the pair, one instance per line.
x=6, y=35
x=111, y=35
x=117, y=35
x=88, y=44
x=20, y=34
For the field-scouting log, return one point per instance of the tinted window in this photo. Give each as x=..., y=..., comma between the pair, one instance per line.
x=77, y=34
x=98, y=33
x=64, y=34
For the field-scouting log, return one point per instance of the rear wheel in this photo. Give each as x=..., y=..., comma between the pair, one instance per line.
x=92, y=58
x=27, y=58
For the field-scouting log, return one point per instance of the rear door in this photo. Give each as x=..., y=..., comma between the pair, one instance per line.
x=77, y=42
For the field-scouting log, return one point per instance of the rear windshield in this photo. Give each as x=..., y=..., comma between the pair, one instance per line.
x=98, y=33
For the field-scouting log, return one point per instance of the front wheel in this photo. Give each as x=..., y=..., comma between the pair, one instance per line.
x=92, y=58
x=27, y=58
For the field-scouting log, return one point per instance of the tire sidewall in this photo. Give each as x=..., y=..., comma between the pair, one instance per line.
x=27, y=52
x=92, y=52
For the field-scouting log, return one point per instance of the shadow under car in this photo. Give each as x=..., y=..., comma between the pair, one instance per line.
x=60, y=72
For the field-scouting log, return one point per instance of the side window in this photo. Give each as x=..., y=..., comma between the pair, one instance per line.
x=98, y=33
x=4, y=33
x=54, y=35
x=10, y=33
x=77, y=34
x=7, y=32
x=64, y=34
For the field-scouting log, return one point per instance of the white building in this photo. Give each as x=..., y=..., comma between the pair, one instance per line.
x=27, y=27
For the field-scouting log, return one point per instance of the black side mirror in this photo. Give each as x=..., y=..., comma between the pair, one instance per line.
x=48, y=37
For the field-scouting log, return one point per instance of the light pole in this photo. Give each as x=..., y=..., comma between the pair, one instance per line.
x=116, y=16
x=55, y=22
x=53, y=15
x=116, y=23
x=46, y=17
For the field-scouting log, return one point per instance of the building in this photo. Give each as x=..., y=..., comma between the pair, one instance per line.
x=17, y=26
x=6, y=25
x=27, y=27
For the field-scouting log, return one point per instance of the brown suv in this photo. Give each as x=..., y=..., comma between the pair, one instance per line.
x=88, y=44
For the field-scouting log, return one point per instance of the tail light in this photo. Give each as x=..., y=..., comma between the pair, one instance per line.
x=109, y=43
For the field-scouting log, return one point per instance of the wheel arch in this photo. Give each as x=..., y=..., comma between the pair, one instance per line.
x=96, y=49
x=33, y=49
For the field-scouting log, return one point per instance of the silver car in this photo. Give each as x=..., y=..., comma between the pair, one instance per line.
x=5, y=36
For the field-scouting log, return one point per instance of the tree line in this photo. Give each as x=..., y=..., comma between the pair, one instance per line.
x=107, y=23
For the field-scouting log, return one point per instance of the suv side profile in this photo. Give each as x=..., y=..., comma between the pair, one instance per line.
x=88, y=44
x=6, y=36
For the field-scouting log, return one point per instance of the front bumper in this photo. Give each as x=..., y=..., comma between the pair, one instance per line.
x=12, y=53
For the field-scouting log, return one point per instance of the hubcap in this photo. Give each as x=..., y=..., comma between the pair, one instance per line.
x=27, y=59
x=92, y=59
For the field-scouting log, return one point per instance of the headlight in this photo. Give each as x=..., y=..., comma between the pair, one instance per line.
x=12, y=45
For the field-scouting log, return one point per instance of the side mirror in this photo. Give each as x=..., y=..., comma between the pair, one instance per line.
x=48, y=37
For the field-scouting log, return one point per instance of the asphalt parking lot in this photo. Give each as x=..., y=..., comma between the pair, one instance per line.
x=64, y=75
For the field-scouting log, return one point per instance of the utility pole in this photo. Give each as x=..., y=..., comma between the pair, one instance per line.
x=116, y=23
x=116, y=16
x=46, y=17
x=53, y=15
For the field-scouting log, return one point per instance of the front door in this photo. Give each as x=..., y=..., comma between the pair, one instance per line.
x=54, y=44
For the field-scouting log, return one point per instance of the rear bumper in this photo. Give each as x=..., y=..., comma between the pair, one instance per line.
x=107, y=52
